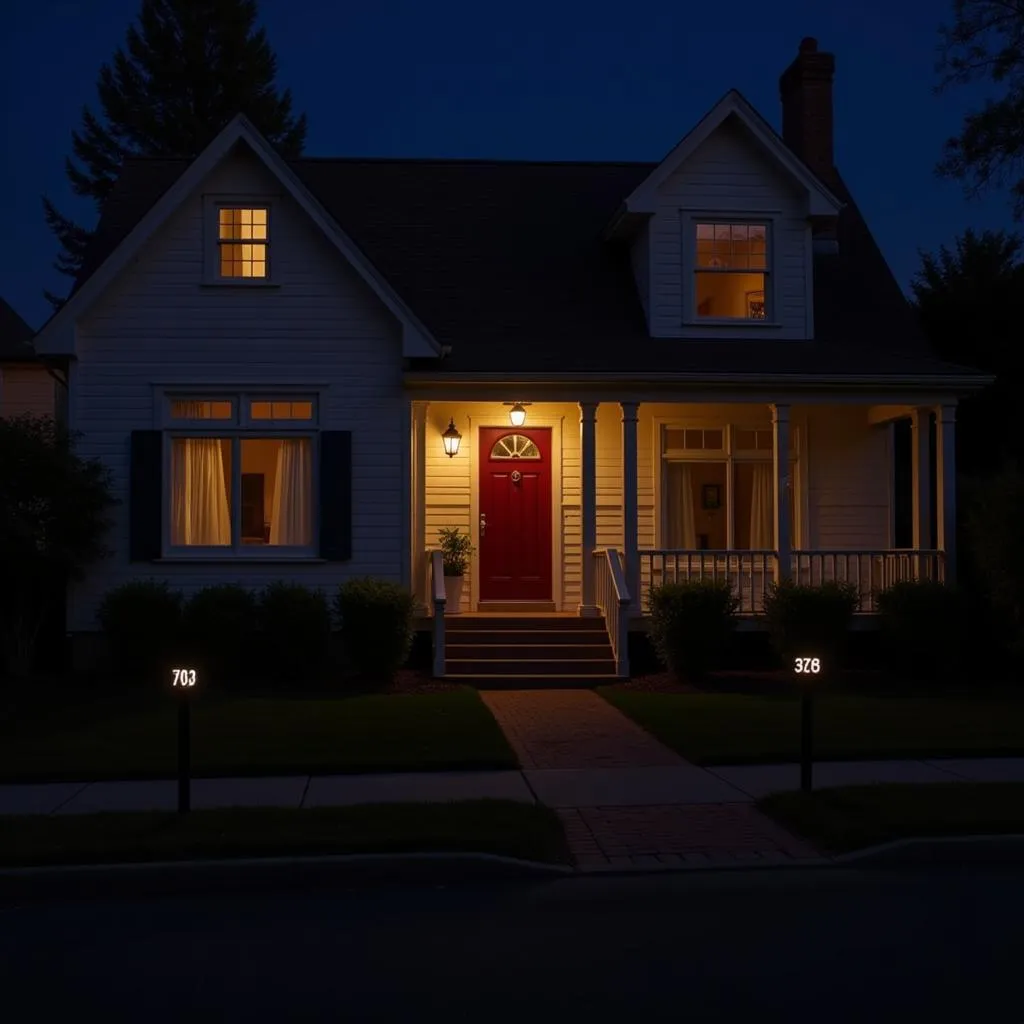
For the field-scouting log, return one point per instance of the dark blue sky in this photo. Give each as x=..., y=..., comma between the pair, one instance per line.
x=537, y=79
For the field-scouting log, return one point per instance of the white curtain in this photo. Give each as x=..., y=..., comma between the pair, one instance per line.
x=682, y=530
x=291, y=520
x=762, y=508
x=199, y=497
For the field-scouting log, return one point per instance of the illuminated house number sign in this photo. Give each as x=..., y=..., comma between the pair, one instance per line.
x=807, y=666
x=183, y=677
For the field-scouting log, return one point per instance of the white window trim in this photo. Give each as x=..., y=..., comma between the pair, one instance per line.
x=237, y=429
x=689, y=219
x=729, y=456
x=212, y=203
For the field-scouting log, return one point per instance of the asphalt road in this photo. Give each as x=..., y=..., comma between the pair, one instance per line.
x=810, y=945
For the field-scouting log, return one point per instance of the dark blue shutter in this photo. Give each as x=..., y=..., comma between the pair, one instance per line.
x=336, y=495
x=145, y=497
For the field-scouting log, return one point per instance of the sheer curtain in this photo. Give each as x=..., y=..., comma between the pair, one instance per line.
x=200, y=513
x=762, y=508
x=681, y=530
x=291, y=520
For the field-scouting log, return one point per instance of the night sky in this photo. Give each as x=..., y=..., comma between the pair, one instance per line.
x=552, y=80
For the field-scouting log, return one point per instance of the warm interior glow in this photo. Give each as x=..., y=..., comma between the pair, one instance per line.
x=190, y=409
x=242, y=235
x=281, y=410
x=731, y=271
x=517, y=415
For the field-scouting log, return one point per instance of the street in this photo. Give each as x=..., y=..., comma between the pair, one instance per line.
x=820, y=945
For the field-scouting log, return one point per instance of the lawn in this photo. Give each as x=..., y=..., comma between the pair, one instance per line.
x=501, y=827
x=112, y=739
x=711, y=728
x=852, y=817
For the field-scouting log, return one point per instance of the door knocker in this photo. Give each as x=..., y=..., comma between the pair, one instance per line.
x=516, y=476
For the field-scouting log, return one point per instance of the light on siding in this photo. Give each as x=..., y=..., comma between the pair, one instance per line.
x=451, y=438
x=517, y=415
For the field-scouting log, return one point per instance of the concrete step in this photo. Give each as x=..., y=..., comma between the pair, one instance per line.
x=530, y=666
x=533, y=648
x=510, y=681
x=457, y=636
x=560, y=622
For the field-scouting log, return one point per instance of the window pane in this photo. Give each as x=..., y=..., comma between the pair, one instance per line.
x=200, y=409
x=242, y=223
x=746, y=440
x=764, y=441
x=281, y=410
x=713, y=440
x=674, y=438
x=260, y=410
x=694, y=439
x=277, y=491
x=738, y=296
x=201, y=491
x=695, y=505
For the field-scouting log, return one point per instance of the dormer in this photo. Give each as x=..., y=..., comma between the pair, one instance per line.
x=722, y=233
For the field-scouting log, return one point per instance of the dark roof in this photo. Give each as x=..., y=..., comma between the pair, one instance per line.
x=15, y=335
x=507, y=263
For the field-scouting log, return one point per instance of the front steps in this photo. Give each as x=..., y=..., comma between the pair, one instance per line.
x=523, y=651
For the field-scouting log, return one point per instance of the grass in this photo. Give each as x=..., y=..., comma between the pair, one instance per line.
x=852, y=817
x=504, y=827
x=736, y=728
x=78, y=740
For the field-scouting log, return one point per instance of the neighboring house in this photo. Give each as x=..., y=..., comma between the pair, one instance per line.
x=694, y=364
x=26, y=386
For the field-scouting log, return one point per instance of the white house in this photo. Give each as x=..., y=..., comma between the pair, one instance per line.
x=649, y=371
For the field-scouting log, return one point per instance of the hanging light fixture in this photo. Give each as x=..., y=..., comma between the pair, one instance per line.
x=451, y=439
x=517, y=415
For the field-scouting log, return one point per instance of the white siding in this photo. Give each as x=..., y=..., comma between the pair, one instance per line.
x=26, y=389
x=850, y=469
x=319, y=325
x=731, y=176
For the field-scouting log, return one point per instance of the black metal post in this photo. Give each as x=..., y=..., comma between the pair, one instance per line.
x=806, y=740
x=184, y=755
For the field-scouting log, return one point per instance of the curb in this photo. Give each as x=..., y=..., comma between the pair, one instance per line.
x=944, y=850
x=246, y=874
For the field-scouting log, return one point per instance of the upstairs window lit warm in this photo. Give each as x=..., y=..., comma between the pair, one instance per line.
x=243, y=241
x=731, y=271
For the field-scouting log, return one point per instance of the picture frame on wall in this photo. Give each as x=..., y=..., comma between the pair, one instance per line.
x=711, y=496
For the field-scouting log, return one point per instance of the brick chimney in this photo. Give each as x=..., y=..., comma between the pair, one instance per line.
x=806, y=90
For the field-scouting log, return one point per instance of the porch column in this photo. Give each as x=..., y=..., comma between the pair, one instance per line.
x=588, y=503
x=783, y=492
x=419, y=504
x=922, y=484
x=945, y=485
x=630, y=513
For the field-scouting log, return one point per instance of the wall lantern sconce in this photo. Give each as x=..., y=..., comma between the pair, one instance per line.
x=517, y=414
x=451, y=438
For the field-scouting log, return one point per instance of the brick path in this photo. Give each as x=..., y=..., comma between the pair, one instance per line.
x=678, y=835
x=573, y=729
x=576, y=729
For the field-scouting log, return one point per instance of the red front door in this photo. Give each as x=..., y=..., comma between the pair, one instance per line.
x=515, y=514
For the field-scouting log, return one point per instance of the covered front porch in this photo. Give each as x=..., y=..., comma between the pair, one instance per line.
x=581, y=507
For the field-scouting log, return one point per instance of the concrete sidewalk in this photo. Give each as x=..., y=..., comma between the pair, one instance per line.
x=559, y=788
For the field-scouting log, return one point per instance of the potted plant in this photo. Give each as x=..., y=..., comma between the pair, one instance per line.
x=455, y=551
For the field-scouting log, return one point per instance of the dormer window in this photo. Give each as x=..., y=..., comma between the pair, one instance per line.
x=243, y=241
x=730, y=271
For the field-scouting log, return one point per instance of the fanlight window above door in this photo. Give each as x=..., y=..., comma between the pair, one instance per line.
x=514, y=446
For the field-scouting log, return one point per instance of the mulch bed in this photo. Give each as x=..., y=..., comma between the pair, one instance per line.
x=412, y=681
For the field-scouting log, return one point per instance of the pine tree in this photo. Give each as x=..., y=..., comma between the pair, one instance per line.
x=186, y=69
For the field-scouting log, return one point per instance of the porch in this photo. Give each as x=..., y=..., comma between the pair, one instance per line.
x=580, y=508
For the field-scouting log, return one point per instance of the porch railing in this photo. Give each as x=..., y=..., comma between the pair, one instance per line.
x=747, y=572
x=868, y=571
x=439, y=601
x=613, y=599
x=750, y=572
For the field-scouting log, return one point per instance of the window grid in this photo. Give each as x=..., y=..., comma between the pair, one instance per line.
x=243, y=241
x=730, y=271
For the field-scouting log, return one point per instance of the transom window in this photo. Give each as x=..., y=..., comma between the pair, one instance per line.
x=720, y=497
x=243, y=238
x=514, y=446
x=731, y=271
x=232, y=487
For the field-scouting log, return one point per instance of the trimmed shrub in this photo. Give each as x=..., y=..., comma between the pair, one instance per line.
x=141, y=623
x=219, y=624
x=806, y=621
x=922, y=624
x=690, y=624
x=294, y=632
x=376, y=622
